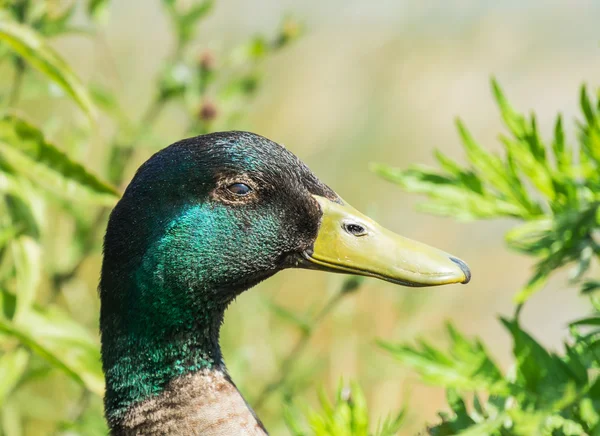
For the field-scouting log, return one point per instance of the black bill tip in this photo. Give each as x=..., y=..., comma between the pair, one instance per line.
x=465, y=269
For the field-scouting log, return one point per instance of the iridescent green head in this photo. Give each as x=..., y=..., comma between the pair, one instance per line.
x=207, y=218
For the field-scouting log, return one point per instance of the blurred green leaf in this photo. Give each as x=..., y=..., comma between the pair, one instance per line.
x=27, y=256
x=513, y=120
x=170, y=5
x=51, y=23
x=12, y=366
x=8, y=234
x=586, y=106
x=392, y=424
x=107, y=102
x=537, y=369
x=547, y=394
x=11, y=420
x=188, y=21
x=352, y=284
x=97, y=9
x=174, y=81
x=451, y=198
x=26, y=149
x=590, y=286
x=347, y=415
x=60, y=341
x=32, y=47
x=243, y=86
x=588, y=321
x=540, y=184
x=290, y=31
x=467, y=366
x=487, y=427
x=23, y=209
x=536, y=283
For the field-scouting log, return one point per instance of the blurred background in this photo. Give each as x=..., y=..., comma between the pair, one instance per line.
x=365, y=82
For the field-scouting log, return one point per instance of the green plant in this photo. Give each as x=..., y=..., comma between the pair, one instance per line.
x=348, y=415
x=54, y=205
x=55, y=197
x=553, y=189
x=306, y=326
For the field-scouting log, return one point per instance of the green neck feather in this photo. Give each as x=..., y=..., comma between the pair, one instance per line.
x=168, y=323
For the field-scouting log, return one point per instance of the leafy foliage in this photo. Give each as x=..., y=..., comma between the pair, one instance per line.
x=29, y=154
x=553, y=189
x=185, y=21
x=550, y=187
x=544, y=394
x=346, y=416
x=468, y=366
x=33, y=49
x=43, y=339
x=57, y=339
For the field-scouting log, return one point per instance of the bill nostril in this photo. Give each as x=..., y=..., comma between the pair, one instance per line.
x=355, y=229
x=464, y=268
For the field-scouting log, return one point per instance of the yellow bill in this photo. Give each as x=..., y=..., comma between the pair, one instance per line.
x=351, y=242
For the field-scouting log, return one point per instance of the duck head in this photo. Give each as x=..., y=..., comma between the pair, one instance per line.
x=207, y=218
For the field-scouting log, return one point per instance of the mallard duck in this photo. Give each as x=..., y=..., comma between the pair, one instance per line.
x=202, y=221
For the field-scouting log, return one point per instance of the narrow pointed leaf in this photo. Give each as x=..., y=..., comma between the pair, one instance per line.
x=189, y=20
x=23, y=145
x=97, y=9
x=514, y=121
x=34, y=49
x=537, y=282
x=27, y=256
x=61, y=342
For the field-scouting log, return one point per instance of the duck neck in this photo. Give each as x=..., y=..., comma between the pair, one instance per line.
x=164, y=289
x=143, y=352
x=165, y=373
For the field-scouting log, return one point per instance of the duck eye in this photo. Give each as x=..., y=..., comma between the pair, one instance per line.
x=239, y=189
x=355, y=229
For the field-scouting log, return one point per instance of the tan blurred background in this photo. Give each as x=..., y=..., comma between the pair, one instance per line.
x=378, y=81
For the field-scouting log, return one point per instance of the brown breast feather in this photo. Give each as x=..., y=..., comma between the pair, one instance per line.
x=204, y=403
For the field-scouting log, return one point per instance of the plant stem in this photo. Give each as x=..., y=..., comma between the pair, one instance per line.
x=298, y=349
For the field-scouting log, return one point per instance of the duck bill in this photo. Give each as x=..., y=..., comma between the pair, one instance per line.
x=350, y=242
